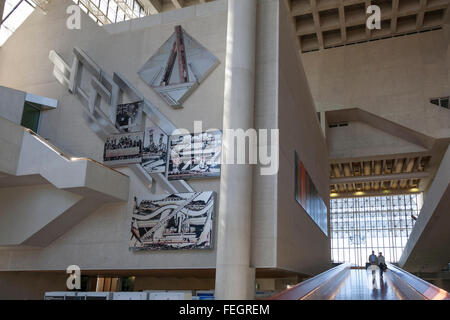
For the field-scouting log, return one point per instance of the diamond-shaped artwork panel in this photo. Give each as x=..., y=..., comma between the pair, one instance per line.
x=178, y=67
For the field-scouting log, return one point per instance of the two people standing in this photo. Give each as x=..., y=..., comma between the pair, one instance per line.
x=377, y=261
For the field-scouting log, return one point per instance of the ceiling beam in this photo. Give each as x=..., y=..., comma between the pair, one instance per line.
x=372, y=193
x=178, y=3
x=151, y=6
x=42, y=4
x=421, y=14
x=341, y=170
x=368, y=31
x=96, y=11
x=317, y=26
x=127, y=10
x=399, y=176
x=394, y=16
x=342, y=22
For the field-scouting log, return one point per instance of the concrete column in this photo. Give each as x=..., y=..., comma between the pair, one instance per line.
x=323, y=123
x=234, y=276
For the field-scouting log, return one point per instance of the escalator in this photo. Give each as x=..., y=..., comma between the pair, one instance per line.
x=346, y=283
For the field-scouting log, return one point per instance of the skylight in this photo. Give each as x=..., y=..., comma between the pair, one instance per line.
x=101, y=11
x=111, y=11
x=14, y=14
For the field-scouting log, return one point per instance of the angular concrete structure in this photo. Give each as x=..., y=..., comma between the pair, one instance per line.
x=367, y=121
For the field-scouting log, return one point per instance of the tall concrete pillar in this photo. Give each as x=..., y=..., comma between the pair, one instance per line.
x=235, y=279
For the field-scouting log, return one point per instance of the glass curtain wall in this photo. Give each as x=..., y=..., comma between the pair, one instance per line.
x=111, y=11
x=15, y=13
x=101, y=11
x=382, y=224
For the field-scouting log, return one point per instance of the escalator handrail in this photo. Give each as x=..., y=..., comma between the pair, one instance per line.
x=304, y=288
x=426, y=289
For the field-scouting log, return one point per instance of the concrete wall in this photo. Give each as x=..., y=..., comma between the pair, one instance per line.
x=283, y=234
x=30, y=285
x=101, y=240
x=11, y=137
x=22, y=216
x=11, y=104
x=393, y=78
x=427, y=249
x=301, y=245
x=359, y=139
x=264, y=216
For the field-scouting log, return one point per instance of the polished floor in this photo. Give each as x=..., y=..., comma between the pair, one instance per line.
x=360, y=285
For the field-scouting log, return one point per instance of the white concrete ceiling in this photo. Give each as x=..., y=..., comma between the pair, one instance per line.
x=323, y=24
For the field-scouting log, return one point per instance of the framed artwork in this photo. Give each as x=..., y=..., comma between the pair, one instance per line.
x=129, y=116
x=123, y=149
x=155, y=152
x=172, y=222
x=178, y=67
x=195, y=155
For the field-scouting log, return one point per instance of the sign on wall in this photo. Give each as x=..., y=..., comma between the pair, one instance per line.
x=177, y=221
x=308, y=197
x=154, y=157
x=121, y=149
x=195, y=155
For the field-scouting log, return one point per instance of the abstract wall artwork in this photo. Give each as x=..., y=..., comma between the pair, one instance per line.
x=129, y=116
x=195, y=155
x=178, y=67
x=154, y=156
x=177, y=221
x=308, y=197
x=123, y=149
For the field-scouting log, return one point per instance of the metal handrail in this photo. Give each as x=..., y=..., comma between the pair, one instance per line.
x=426, y=289
x=66, y=156
x=305, y=288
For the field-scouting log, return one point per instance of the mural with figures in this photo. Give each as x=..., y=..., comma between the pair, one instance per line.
x=154, y=155
x=129, y=116
x=170, y=222
x=195, y=155
x=123, y=149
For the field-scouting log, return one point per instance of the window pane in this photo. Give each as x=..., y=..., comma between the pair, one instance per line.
x=362, y=225
x=15, y=19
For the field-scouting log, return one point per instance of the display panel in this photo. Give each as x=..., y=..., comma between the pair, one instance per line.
x=123, y=149
x=178, y=67
x=308, y=197
x=177, y=221
x=129, y=116
x=195, y=155
x=154, y=157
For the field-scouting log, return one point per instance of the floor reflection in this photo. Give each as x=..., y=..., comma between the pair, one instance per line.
x=361, y=285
